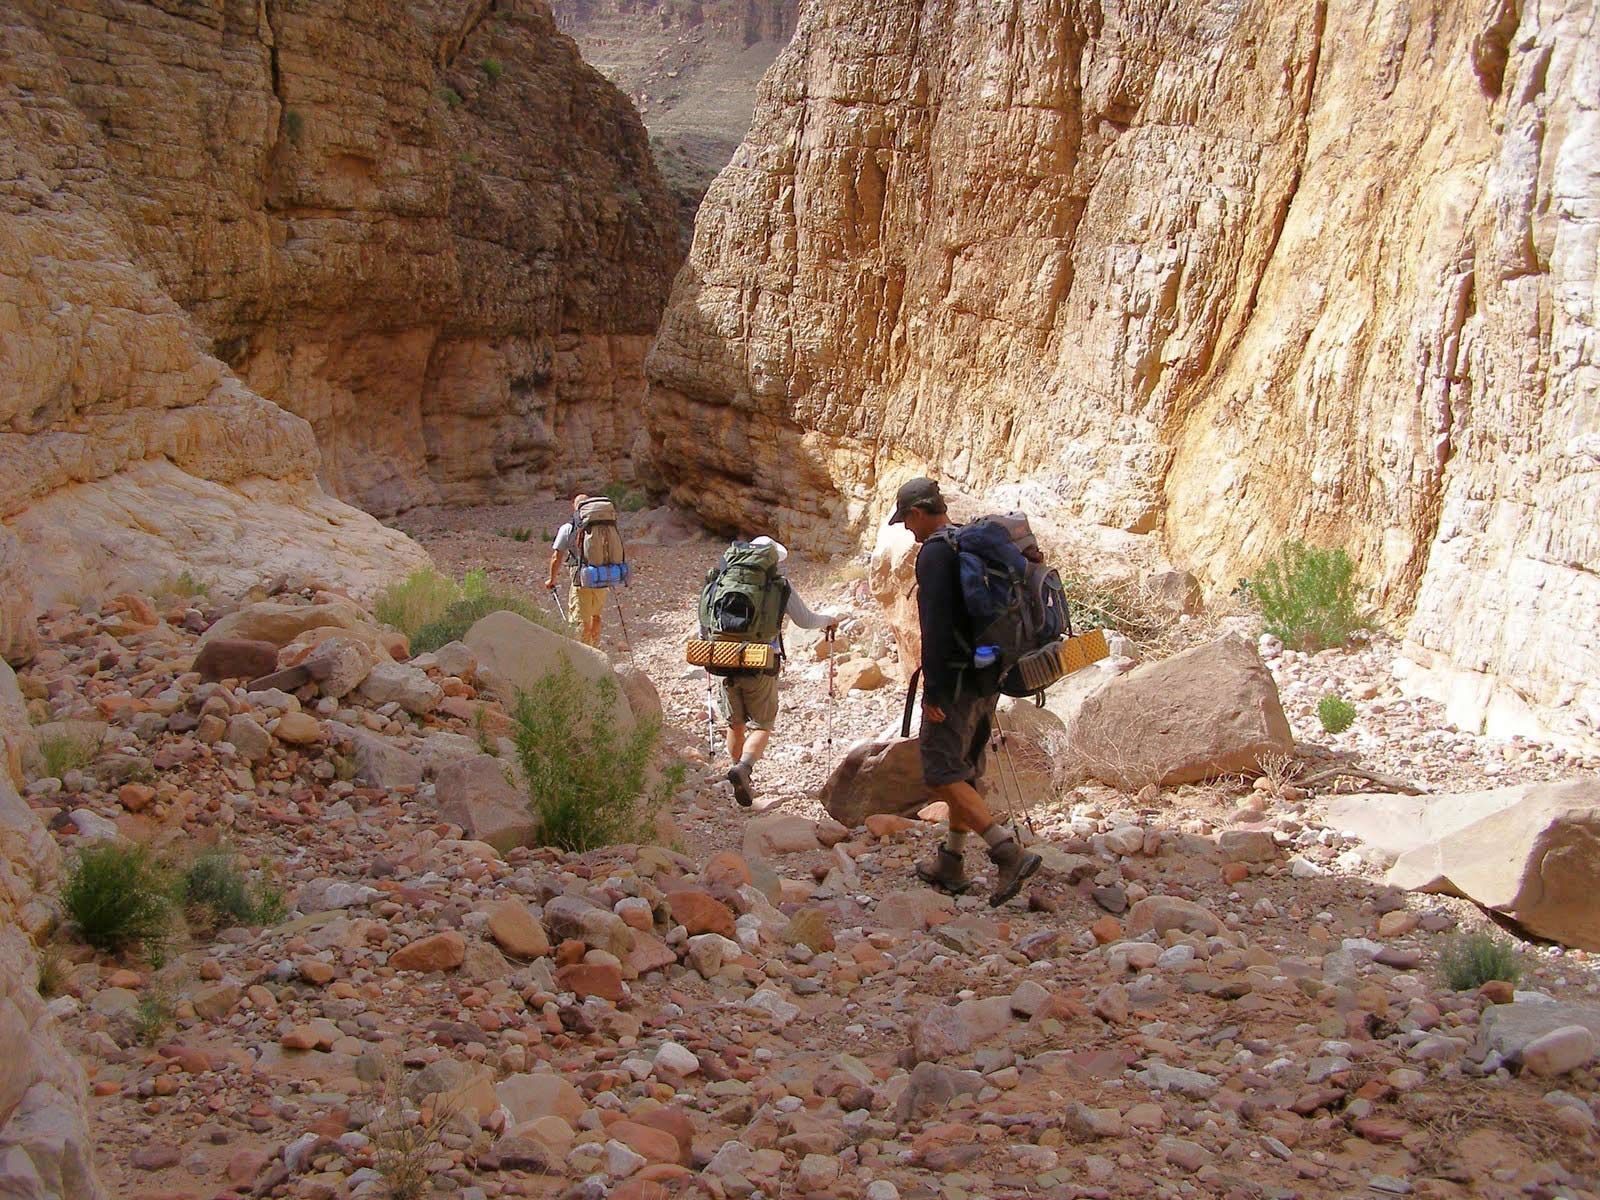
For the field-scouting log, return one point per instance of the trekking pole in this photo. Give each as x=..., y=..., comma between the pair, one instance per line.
x=627, y=642
x=1022, y=793
x=831, y=695
x=557, y=598
x=711, y=719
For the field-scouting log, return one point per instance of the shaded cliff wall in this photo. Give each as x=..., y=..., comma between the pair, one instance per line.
x=428, y=229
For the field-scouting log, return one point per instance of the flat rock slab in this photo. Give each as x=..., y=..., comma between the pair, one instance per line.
x=1507, y=1028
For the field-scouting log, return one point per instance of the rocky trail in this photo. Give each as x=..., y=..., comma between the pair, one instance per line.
x=1208, y=992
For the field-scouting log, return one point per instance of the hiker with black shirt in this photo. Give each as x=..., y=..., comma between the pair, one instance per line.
x=747, y=599
x=956, y=719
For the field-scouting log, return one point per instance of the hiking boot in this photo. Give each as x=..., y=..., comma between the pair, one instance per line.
x=1014, y=867
x=739, y=776
x=945, y=872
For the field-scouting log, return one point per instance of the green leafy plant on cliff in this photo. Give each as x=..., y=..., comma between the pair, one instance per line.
x=493, y=68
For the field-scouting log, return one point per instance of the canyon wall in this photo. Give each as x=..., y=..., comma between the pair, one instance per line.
x=428, y=229
x=692, y=67
x=45, y=1149
x=127, y=453
x=1225, y=273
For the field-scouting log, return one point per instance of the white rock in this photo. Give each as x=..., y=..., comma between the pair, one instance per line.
x=1559, y=1051
x=676, y=1059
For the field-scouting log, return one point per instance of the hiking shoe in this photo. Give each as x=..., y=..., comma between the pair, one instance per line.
x=1014, y=867
x=945, y=872
x=739, y=776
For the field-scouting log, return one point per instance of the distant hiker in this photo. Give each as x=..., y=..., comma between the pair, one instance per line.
x=958, y=708
x=596, y=559
x=742, y=610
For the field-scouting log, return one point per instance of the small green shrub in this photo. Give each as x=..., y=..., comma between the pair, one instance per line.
x=461, y=616
x=117, y=896
x=588, y=784
x=53, y=970
x=450, y=96
x=485, y=742
x=65, y=752
x=493, y=68
x=1336, y=713
x=213, y=891
x=625, y=498
x=1308, y=596
x=294, y=125
x=520, y=533
x=419, y=598
x=1467, y=963
x=184, y=586
x=153, y=1015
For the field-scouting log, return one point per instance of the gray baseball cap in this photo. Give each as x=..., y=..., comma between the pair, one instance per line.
x=916, y=493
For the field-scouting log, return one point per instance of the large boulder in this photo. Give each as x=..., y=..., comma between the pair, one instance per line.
x=1207, y=712
x=1393, y=824
x=884, y=775
x=474, y=794
x=514, y=653
x=892, y=576
x=280, y=623
x=1536, y=860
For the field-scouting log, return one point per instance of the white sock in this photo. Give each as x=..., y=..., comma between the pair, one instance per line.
x=996, y=834
x=955, y=841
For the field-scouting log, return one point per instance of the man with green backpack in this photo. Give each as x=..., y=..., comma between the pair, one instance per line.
x=742, y=609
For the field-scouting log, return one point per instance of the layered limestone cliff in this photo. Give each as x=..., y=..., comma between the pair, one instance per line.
x=128, y=454
x=1224, y=273
x=426, y=228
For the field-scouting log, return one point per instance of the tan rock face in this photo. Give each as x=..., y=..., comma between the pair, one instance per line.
x=1226, y=274
x=43, y=1127
x=433, y=234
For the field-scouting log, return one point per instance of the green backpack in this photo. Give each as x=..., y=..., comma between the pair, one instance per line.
x=744, y=597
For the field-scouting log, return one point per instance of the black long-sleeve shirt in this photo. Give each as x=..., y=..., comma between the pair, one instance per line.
x=942, y=617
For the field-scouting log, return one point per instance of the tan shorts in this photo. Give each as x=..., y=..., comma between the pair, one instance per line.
x=749, y=700
x=587, y=603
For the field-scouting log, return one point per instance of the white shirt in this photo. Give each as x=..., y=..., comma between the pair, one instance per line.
x=563, y=538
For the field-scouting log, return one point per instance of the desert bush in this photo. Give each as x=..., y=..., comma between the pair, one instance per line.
x=518, y=533
x=214, y=891
x=1308, y=596
x=1120, y=607
x=410, y=603
x=1469, y=962
x=494, y=69
x=183, y=586
x=1335, y=713
x=154, y=1014
x=588, y=784
x=626, y=499
x=450, y=96
x=117, y=896
x=53, y=970
x=64, y=752
x=294, y=125
x=461, y=616
x=405, y=1138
